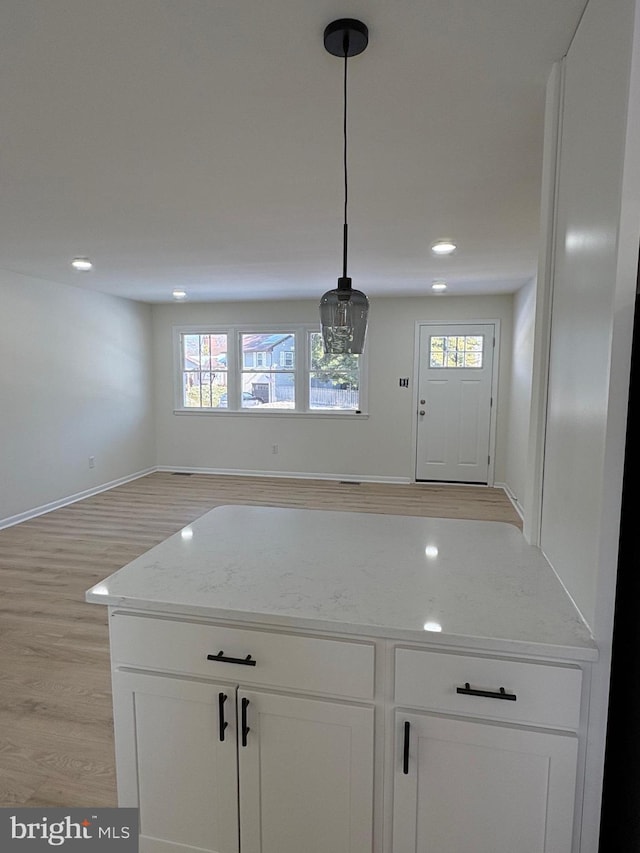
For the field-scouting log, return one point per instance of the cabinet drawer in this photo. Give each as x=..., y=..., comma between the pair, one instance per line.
x=312, y=664
x=546, y=695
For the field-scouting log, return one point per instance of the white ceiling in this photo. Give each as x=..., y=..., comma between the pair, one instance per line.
x=197, y=144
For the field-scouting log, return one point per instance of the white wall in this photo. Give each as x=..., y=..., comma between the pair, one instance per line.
x=584, y=292
x=378, y=447
x=593, y=280
x=524, y=307
x=75, y=370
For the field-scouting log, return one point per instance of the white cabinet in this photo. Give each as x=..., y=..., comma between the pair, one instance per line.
x=247, y=740
x=172, y=764
x=278, y=660
x=305, y=776
x=473, y=787
x=501, y=781
x=222, y=766
x=538, y=694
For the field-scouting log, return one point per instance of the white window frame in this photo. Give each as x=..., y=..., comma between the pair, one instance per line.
x=235, y=366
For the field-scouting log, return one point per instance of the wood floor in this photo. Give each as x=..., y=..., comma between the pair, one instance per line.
x=56, y=738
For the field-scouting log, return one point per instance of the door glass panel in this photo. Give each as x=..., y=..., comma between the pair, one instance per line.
x=465, y=351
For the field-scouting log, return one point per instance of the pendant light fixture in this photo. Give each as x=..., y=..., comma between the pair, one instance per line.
x=343, y=311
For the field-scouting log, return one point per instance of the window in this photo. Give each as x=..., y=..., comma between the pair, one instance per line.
x=204, y=370
x=464, y=351
x=334, y=380
x=264, y=370
x=272, y=385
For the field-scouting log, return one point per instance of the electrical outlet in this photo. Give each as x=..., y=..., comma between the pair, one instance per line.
x=92, y=462
x=274, y=448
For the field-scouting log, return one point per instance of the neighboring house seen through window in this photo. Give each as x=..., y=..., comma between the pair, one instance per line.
x=274, y=386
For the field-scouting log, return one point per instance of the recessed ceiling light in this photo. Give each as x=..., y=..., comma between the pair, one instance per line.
x=179, y=294
x=443, y=247
x=82, y=264
x=439, y=285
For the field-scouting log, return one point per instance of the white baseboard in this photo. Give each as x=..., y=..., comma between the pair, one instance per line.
x=70, y=499
x=297, y=475
x=514, y=500
x=176, y=469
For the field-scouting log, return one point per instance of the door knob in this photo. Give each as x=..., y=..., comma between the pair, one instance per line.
x=422, y=411
x=422, y=402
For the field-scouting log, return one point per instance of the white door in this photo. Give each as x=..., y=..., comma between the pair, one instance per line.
x=176, y=763
x=306, y=775
x=455, y=378
x=473, y=787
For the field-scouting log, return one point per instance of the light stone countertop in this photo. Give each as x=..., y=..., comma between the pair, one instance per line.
x=471, y=584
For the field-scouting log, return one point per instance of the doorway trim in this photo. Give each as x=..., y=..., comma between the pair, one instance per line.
x=494, y=390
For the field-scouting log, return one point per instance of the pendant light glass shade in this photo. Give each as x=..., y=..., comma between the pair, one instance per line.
x=343, y=317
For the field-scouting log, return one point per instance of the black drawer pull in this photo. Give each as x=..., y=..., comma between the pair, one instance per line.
x=245, y=727
x=222, y=698
x=248, y=661
x=490, y=694
x=405, y=751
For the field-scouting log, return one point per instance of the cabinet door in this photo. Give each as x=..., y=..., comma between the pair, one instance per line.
x=473, y=787
x=173, y=765
x=306, y=775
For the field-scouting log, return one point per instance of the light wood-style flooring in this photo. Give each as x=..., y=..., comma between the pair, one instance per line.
x=56, y=738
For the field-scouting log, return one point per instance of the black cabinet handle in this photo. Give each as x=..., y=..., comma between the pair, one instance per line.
x=245, y=727
x=248, y=661
x=490, y=694
x=405, y=751
x=221, y=721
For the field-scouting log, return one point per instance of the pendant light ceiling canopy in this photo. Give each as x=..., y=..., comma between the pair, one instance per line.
x=343, y=311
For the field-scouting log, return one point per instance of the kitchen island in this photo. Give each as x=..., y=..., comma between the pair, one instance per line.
x=300, y=680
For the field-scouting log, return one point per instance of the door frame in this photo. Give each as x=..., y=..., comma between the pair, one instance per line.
x=419, y=324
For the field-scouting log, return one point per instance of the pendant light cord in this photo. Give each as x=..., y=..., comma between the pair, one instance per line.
x=345, y=230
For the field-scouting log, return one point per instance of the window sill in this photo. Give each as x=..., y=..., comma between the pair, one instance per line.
x=273, y=413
